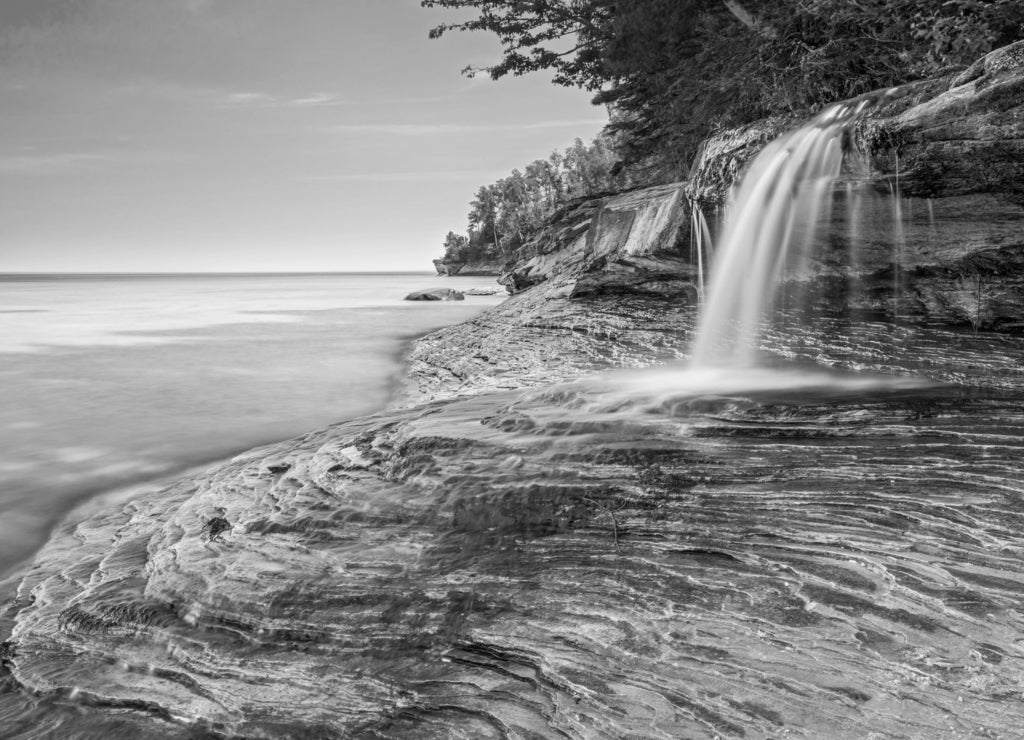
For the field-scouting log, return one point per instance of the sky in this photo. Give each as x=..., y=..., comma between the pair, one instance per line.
x=253, y=135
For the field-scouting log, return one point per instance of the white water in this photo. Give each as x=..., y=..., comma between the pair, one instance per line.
x=113, y=379
x=773, y=215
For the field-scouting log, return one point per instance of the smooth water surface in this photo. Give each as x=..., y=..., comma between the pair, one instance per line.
x=113, y=379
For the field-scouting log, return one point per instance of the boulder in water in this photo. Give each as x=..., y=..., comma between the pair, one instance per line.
x=436, y=294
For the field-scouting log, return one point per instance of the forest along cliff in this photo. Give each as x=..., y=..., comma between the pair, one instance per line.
x=927, y=226
x=612, y=558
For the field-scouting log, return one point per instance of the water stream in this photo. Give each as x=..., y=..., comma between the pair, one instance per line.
x=773, y=217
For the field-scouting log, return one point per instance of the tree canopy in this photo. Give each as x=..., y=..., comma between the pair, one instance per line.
x=674, y=70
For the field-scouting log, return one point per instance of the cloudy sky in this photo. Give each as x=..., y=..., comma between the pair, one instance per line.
x=252, y=135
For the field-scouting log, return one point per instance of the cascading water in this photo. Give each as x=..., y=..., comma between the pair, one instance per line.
x=773, y=213
x=700, y=246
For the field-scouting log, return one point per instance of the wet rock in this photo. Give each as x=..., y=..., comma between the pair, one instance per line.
x=601, y=559
x=927, y=221
x=544, y=335
x=436, y=294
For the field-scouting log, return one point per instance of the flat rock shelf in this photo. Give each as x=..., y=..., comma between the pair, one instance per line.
x=604, y=558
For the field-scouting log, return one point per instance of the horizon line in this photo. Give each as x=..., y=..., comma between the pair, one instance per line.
x=222, y=273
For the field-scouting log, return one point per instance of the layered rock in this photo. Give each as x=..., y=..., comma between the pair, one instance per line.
x=627, y=243
x=619, y=557
x=541, y=336
x=489, y=268
x=928, y=221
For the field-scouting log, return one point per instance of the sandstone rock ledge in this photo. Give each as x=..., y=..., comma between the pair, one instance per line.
x=599, y=559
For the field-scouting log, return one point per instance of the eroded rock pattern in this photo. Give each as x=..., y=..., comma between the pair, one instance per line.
x=541, y=336
x=929, y=220
x=616, y=557
x=619, y=244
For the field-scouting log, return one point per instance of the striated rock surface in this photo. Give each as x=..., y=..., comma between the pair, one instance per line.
x=648, y=555
x=625, y=243
x=929, y=222
x=540, y=336
x=477, y=267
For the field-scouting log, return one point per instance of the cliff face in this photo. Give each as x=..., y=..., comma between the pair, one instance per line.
x=929, y=219
x=627, y=243
x=489, y=268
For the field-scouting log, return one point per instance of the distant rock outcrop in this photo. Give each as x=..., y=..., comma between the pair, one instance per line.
x=472, y=268
x=436, y=294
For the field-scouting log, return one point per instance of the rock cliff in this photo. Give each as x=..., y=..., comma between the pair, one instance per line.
x=484, y=268
x=930, y=216
x=628, y=243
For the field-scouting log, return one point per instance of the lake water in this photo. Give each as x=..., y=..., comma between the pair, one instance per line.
x=112, y=379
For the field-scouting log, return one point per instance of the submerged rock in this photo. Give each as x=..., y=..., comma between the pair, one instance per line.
x=435, y=294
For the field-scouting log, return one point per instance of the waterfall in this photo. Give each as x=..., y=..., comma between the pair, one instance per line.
x=774, y=212
x=700, y=241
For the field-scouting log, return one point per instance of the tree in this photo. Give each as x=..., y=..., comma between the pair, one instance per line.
x=565, y=36
x=503, y=215
x=674, y=70
x=456, y=247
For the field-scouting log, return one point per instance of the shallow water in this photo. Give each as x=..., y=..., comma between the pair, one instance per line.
x=113, y=379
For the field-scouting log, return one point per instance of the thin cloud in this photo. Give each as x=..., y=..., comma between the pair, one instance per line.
x=266, y=100
x=441, y=129
x=419, y=176
x=245, y=99
x=46, y=164
x=317, y=99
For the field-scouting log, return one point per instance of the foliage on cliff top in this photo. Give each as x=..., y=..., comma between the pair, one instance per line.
x=674, y=70
x=505, y=214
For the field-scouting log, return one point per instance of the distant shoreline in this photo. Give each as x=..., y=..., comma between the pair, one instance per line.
x=93, y=275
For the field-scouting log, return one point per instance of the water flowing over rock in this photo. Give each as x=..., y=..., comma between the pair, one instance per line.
x=927, y=215
x=775, y=210
x=659, y=555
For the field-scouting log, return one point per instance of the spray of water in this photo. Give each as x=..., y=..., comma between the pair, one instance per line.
x=773, y=214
